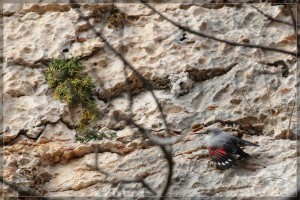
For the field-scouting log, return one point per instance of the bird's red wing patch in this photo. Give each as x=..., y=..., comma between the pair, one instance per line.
x=216, y=151
x=211, y=151
x=220, y=156
x=220, y=151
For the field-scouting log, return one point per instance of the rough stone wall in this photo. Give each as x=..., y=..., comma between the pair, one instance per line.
x=198, y=81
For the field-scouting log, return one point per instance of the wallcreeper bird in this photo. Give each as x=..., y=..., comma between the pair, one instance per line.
x=224, y=148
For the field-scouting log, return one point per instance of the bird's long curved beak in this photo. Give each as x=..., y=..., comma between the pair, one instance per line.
x=203, y=132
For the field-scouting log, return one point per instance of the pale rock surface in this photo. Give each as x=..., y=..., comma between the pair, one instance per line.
x=58, y=132
x=199, y=82
x=11, y=8
x=26, y=106
x=86, y=48
x=26, y=113
x=194, y=173
x=35, y=132
x=181, y=84
x=20, y=81
x=44, y=7
x=27, y=44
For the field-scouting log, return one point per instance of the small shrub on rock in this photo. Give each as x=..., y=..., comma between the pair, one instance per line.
x=71, y=85
x=69, y=82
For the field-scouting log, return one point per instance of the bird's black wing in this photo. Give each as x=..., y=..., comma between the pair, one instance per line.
x=222, y=158
x=235, y=151
x=242, y=142
x=224, y=150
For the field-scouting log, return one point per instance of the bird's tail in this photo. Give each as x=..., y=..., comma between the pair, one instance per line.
x=244, y=155
x=247, y=143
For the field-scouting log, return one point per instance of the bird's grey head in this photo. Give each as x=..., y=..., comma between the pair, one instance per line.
x=210, y=135
x=212, y=131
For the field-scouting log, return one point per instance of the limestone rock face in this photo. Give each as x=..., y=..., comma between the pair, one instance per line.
x=20, y=81
x=10, y=8
x=58, y=131
x=28, y=112
x=199, y=82
x=26, y=105
x=27, y=44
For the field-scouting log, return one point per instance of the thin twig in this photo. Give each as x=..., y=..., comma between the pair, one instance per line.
x=246, y=99
x=117, y=178
x=169, y=157
x=272, y=18
x=293, y=18
x=148, y=86
x=268, y=91
x=290, y=120
x=201, y=34
x=168, y=153
x=158, y=140
x=130, y=100
x=295, y=26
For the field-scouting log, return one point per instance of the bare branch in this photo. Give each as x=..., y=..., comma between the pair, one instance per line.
x=246, y=100
x=158, y=140
x=147, y=85
x=163, y=143
x=272, y=18
x=290, y=120
x=168, y=155
x=117, y=179
x=295, y=26
x=201, y=34
x=95, y=167
x=268, y=89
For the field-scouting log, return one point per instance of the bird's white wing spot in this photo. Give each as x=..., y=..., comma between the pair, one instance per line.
x=236, y=156
x=223, y=163
x=226, y=162
x=229, y=160
x=219, y=163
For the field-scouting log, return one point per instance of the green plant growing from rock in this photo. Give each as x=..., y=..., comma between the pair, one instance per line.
x=71, y=85
x=69, y=82
x=95, y=135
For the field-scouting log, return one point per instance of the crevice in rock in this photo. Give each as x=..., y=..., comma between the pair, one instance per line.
x=70, y=126
x=161, y=83
x=114, y=16
x=22, y=62
x=14, y=94
x=218, y=5
x=4, y=129
x=41, y=133
x=136, y=86
x=23, y=132
x=42, y=9
x=120, y=148
x=93, y=52
x=199, y=75
x=282, y=63
x=15, y=139
x=248, y=124
x=186, y=6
